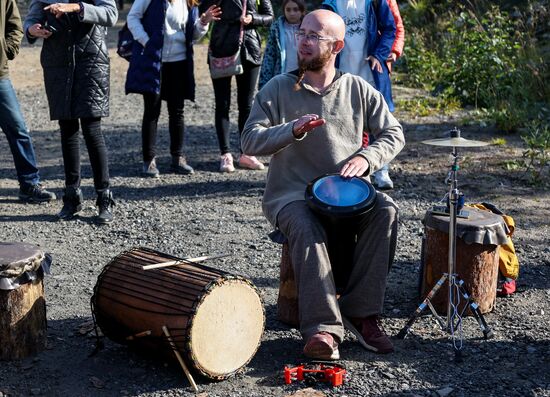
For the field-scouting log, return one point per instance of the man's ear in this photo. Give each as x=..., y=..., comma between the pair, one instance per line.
x=337, y=46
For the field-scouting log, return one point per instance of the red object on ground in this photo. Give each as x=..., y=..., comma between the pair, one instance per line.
x=322, y=372
x=508, y=287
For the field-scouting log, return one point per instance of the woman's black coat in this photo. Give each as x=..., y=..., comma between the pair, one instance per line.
x=224, y=38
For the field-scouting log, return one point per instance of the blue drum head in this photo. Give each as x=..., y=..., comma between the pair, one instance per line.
x=341, y=192
x=333, y=195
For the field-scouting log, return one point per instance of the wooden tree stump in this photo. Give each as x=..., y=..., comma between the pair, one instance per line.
x=341, y=247
x=476, y=264
x=22, y=321
x=287, y=302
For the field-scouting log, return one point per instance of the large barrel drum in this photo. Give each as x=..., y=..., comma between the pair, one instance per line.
x=216, y=319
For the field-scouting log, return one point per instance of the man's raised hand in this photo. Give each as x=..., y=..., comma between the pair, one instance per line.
x=306, y=123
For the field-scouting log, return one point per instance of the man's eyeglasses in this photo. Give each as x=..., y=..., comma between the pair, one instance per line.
x=314, y=38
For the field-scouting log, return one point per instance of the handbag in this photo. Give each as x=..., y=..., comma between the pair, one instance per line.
x=230, y=65
x=125, y=43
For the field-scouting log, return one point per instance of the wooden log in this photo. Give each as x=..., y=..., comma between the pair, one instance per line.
x=287, y=302
x=476, y=264
x=341, y=246
x=22, y=321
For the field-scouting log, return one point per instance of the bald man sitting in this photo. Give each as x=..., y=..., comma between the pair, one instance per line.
x=311, y=121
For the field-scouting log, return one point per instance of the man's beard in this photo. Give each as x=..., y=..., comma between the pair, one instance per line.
x=313, y=65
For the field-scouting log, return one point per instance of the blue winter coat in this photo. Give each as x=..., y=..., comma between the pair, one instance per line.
x=145, y=64
x=380, y=37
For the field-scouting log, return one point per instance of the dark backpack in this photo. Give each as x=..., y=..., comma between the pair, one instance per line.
x=125, y=43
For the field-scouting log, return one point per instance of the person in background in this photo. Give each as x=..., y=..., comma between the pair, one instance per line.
x=399, y=42
x=370, y=34
x=224, y=41
x=280, y=55
x=311, y=122
x=161, y=68
x=381, y=177
x=11, y=118
x=76, y=76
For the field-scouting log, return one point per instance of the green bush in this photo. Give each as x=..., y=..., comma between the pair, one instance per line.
x=537, y=154
x=480, y=56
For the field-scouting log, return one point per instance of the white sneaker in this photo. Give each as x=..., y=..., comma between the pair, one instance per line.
x=226, y=163
x=381, y=179
x=250, y=162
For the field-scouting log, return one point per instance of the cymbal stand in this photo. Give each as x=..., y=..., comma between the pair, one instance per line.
x=457, y=289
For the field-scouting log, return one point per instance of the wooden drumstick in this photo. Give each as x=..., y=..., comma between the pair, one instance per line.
x=178, y=356
x=182, y=261
x=139, y=335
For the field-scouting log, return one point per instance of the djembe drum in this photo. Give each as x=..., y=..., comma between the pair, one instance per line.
x=477, y=257
x=216, y=319
x=338, y=202
x=22, y=304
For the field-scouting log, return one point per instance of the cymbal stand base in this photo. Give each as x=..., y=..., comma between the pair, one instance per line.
x=426, y=303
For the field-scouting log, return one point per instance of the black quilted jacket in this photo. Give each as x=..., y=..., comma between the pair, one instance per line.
x=76, y=69
x=224, y=38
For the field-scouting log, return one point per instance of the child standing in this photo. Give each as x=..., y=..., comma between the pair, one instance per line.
x=280, y=52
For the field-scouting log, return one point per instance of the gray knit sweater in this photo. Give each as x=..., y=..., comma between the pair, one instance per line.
x=349, y=105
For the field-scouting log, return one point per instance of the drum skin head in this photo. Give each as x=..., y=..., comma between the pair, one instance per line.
x=18, y=258
x=227, y=328
x=335, y=196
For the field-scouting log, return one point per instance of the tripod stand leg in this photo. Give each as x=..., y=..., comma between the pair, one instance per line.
x=440, y=320
x=474, y=307
x=426, y=302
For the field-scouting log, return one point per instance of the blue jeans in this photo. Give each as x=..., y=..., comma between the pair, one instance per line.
x=13, y=125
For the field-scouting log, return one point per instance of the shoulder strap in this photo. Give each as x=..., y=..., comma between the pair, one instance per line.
x=241, y=35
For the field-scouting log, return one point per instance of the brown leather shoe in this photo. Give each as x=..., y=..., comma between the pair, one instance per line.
x=322, y=346
x=369, y=333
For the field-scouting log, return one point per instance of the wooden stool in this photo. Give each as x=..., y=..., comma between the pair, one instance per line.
x=287, y=302
x=22, y=304
x=340, y=248
x=477, y=257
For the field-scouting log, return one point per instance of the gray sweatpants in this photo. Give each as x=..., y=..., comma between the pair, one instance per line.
x=363, y=296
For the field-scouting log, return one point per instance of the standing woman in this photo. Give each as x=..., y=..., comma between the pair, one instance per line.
x=161, y=67
x=224, y=41
x=76, y=75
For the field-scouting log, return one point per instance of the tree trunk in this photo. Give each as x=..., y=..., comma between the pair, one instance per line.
x=476, y=264
x=22, y=321
x=287, y=302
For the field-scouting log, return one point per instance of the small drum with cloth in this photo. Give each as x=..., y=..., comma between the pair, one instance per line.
x=216, y=319
x=22, y=304
x=338, y=202
x=478, y=238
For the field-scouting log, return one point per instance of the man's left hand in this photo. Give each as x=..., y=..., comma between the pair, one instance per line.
x=357, y=166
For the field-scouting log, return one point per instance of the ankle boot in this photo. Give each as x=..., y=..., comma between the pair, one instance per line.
x=105, y=205
x=179, y=166
x=72, y=203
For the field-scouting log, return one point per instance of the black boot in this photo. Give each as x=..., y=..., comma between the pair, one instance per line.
x=105, y=205
x=72, y=203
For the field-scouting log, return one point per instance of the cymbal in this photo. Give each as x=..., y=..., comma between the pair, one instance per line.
x=455, y=142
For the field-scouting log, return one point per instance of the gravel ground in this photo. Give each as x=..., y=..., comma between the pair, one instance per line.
x=209, y=213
